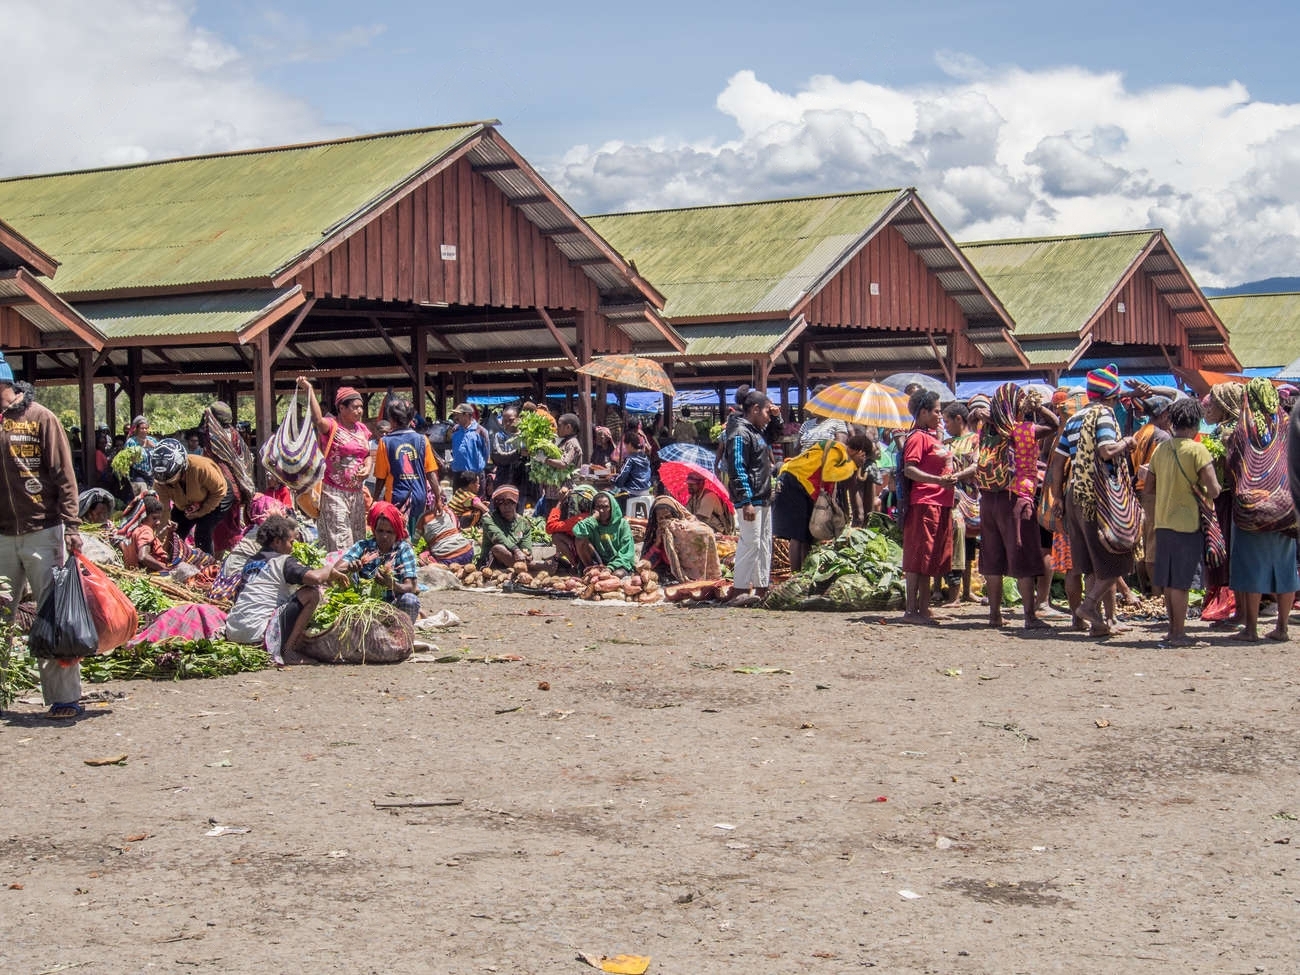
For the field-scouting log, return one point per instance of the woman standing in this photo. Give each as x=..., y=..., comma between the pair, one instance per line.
x=804, y=478
x=1263, y=554
x=927, y=524
x=141, y=475
x=345, y=442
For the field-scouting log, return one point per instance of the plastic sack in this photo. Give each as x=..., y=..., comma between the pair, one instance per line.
x=64, y=628
x=114, y=614
x=293, y=456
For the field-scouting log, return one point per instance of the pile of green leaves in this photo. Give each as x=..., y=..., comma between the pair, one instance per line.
x=144, y=595
x=172, y=660
x=538, y=438
x=538, y=534
x=331, y=604
x=125, y=459
x=309, y=554
x=859, y=570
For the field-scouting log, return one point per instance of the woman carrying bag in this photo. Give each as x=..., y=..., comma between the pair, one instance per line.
x=804, y=484
x=345, y=442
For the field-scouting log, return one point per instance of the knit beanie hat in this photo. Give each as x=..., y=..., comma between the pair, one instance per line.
x=1103, y=382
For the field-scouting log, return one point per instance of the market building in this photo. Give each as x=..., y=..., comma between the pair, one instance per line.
x=1265, y=330
x=825, y=288
x=1123, y=297
x=433, y=259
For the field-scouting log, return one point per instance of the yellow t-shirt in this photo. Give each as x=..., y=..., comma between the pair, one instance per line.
x=1176, y=506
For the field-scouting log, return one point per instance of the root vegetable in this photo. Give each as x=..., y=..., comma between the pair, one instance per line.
x=608, y=585
x=524, y=579
x=611, y=595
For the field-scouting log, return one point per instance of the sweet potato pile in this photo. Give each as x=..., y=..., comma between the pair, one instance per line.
x=597, y=583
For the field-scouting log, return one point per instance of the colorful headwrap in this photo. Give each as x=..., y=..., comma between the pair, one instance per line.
x=390, y=514
x=1103, y=382
x=1005, y=407
x=506, y=492
x=582, y=498
x=1227, y=397
x=344, y=394
x=1264, y=403
x=979, y=401
x=90, y=497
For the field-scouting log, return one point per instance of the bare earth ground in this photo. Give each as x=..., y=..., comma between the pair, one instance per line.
x=965, y=766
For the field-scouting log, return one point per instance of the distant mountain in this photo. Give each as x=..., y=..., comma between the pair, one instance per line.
x=1268, y=286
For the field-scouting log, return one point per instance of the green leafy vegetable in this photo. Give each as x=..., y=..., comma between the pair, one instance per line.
x=312, y=556
x=125, y=459
x=144, y=595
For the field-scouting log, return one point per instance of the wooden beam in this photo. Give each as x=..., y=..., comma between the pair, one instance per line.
x=397, y=353
x=559, y=338
x=298, y=319
x=500, y=167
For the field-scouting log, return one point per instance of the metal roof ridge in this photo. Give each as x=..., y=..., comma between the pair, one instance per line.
x=752, y=203
x=1255, y=294
x=289, y=147
x=1059, y=237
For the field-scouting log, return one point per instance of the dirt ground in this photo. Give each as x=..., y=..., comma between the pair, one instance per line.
x=950, y=800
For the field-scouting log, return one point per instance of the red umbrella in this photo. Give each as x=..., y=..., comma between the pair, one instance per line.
x=675, y=472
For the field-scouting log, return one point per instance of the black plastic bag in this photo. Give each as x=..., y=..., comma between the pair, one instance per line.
x=64, y=627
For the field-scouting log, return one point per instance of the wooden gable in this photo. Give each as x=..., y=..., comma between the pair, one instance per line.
x=454, y=239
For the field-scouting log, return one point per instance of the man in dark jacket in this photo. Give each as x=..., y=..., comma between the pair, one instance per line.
x=38, y=516
x=749, y=459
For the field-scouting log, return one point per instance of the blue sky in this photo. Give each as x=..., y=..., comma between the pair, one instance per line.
x=1011, y=118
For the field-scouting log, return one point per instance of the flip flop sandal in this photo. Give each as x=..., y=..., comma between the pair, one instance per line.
x=75, y=707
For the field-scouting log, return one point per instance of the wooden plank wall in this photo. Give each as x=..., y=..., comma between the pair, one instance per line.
x=911, y=297
x=17, y=332
x=502, y=261
x=1147, y=319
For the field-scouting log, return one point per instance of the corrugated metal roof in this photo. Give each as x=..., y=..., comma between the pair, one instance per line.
x=741, y=258
x=1263, y=330
x=231, y=217
x=738, y=339
x=214, y=313
x=1054, y=285
x=1050, y=352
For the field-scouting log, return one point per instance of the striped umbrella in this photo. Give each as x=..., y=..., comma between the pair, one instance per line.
x=866, y=404
x=688, y=453
x=630, y=370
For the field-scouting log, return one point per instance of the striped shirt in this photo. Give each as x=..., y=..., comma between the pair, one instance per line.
x=1107, y=430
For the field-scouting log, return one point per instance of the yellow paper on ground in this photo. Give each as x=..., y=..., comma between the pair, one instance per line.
x=625, y=964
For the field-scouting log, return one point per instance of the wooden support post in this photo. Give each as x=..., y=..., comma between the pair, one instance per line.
x=759, y=372
x=585, y=325
x=602, y=399
x=458, y=388
x=805, y=386
x=668, y=405
x=135, y=391
x=263, y=397
x=419, y=361
x=86, y=387
x=29, y=367
x=440, y=406
x=110, y=407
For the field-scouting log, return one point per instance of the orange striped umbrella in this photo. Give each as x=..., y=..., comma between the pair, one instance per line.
x=630, y=370
x=866, y=404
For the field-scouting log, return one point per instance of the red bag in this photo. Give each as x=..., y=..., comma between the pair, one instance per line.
x=1219, y=605
x=114, y=614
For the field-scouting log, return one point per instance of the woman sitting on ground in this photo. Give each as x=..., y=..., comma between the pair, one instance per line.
x=506, y=534
x=575, y=504
x=95, y=507
x=386, y=559
x=279, y=594
x=677, y=543
x=605, y=538
x=704, y=503
x=444, y=541
x=148, y=545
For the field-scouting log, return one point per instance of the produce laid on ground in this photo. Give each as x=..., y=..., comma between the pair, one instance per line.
x=596, y=584
x=859, y=570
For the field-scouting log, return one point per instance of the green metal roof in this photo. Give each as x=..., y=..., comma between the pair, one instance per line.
x=217, y=313
x=742, y=258
x=1263, y=330
x=231, y=217
x=735, y=338
x=1054, y=285
x=1049, y=352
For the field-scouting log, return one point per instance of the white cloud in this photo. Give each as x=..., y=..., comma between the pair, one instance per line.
x=996, y=152
x=120, y=81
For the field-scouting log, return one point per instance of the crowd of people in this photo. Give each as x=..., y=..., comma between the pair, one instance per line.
x=1107, y=488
